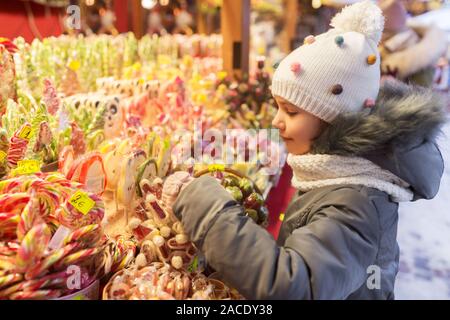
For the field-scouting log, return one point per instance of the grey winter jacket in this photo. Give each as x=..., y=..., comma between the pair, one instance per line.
x=336, y=242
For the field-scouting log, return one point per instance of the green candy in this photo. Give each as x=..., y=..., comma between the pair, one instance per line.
x=246, y=187
x=230, y=181
x=235, y=192
x=252, y=214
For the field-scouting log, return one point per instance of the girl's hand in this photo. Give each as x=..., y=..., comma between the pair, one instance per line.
x=173, y=185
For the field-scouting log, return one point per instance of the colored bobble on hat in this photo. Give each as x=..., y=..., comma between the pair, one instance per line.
x=337, y=89
x=339, y=40
x=371, y=59
x=369, y=103
x=309, y=39
x=295, y=67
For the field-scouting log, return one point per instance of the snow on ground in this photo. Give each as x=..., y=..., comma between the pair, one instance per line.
x=424, y=240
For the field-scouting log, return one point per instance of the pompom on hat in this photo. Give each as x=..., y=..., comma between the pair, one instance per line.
x=340, y=70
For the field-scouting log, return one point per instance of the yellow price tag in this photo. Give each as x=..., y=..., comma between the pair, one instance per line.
x=82, y=202
x=74, y=65
x=216, y=167
x=222, y=75
x=3, y=155
x=27, y=167
x=281, y=216
x=25, y=133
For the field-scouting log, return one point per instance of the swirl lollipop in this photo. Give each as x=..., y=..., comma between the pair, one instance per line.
x=71, y=217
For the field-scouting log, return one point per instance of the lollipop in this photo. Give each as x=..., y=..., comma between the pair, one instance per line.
x=77, y=140
x=18, y=145
x=8, y=225
x=89, y=171
x=71, y=217
x=50, y=97
x=13, y=203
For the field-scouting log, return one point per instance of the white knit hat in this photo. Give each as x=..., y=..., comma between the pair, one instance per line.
x=337, y=71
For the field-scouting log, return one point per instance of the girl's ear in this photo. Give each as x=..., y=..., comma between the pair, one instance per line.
x=322, y=127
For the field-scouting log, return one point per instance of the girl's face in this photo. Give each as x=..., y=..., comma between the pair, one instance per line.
x=298, y=128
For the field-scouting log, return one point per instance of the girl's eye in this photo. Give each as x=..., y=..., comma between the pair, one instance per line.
x=291, y=113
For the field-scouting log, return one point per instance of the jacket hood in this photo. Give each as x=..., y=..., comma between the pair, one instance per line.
x=398, y=134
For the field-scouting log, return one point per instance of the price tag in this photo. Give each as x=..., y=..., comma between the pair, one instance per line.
x=74, y=65
x=3, y=155
x=194, y=265
x=216, y=167
x=27, y=167
x=281, y=216
x=82, y=202
x=222, y=75
x=25, y=133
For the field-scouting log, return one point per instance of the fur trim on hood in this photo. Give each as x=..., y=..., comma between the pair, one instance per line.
x=398, y=134
x=425, y=53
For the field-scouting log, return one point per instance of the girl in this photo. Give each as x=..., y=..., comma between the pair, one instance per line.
x=353, y=158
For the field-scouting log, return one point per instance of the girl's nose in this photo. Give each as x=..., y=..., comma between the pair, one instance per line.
x=278, y=123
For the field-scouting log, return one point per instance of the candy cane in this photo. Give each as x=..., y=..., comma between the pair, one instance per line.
x=33, y=246
x=10, y=279
x=89, y=235
x=35, y=295
x=29, y=217
x=49, y=261
x=78, y=257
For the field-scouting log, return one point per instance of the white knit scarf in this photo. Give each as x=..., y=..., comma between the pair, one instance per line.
x=315, y=171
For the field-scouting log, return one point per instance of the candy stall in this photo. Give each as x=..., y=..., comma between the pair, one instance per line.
x=91, y=127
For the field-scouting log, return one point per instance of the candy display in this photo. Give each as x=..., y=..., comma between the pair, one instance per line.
x=112, y=115
x=33, y=261
x=160, y=281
